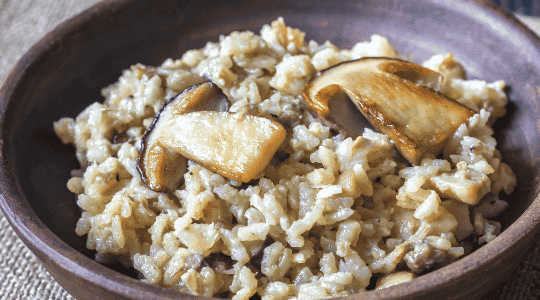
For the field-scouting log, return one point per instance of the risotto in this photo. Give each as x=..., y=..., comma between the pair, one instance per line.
x=329, y=215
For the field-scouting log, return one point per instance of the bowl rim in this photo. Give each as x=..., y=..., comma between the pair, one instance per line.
x=29, y=227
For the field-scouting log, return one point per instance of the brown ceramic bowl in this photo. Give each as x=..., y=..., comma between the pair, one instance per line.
x=64, y=72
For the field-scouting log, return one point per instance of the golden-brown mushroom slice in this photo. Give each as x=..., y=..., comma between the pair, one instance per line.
x=235, y=145
x=396, y=97
x=160, y=168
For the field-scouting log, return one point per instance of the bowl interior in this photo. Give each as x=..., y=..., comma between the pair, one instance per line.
x=87, y=56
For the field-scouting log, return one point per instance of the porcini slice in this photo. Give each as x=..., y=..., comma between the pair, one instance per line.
x=396, y=97
x=160, y=168
x=235, y=145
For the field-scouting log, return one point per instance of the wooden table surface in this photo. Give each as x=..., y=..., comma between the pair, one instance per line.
x=24, y=22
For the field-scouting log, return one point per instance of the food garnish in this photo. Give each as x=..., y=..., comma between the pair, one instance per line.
x=160, y=168
x=395, y=97
x=195, y=125
x=234, y=145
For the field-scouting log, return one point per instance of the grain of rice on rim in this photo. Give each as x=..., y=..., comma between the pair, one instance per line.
x=331, y=215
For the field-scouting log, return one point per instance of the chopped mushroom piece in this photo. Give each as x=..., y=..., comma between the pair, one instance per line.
x=425, y=257
x=393, y=279
x=395, y=96
x=235, y=145
x=160, y=168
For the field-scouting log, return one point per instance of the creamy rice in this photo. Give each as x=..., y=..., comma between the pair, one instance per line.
x=329, y=216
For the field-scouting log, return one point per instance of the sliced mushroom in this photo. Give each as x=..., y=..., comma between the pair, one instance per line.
x=343, y=116
x=395, y=96
x=235, y=145
x=219, y=262
x=160, y=168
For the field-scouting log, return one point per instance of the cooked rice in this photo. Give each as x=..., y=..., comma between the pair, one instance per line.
x=335, y=215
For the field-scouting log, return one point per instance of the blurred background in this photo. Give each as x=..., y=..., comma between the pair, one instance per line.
x=524, y=7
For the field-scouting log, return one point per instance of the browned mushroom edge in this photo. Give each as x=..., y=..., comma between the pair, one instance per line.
x=328, y=103
x=177, y=164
